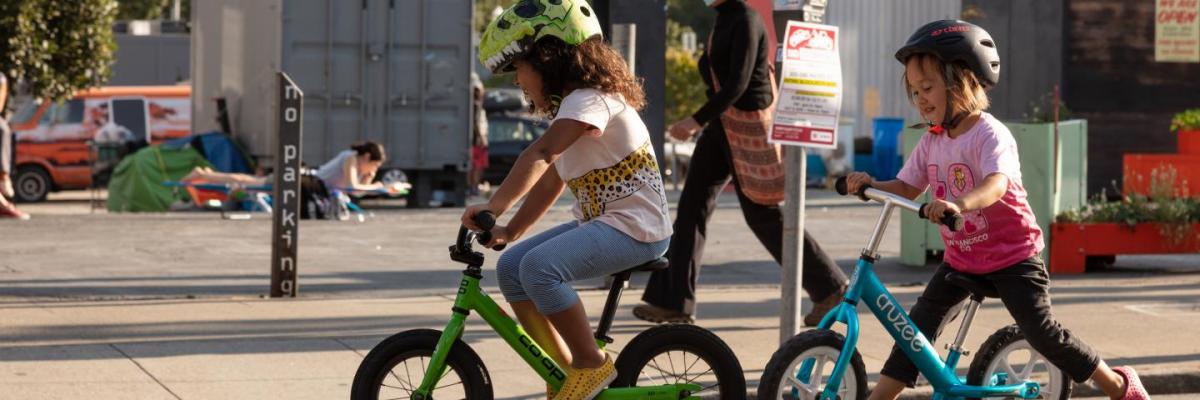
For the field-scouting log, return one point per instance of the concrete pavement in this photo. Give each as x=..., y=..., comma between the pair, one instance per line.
x=167, y=306
x=250, y=348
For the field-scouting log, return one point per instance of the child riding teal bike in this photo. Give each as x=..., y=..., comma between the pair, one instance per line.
x=969, y=162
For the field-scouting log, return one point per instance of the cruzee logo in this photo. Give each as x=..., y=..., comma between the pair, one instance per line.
x=899, y=323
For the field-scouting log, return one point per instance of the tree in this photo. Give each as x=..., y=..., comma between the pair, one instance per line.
x=685, y=90
x=57, y=47
x=142, y=9
x=692, y=14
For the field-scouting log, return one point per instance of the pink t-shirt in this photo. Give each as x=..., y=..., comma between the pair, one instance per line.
x=995, y=237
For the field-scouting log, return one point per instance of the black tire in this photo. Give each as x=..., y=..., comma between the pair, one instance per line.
x=393, y=351
x=1004, y=341
x=722, y=380
x=786, y=363
x=31, y=184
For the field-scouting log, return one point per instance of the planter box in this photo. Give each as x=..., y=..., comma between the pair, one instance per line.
x=1137, y=168
x=1053, y=183
x=1072, y=244
x=1189, y=142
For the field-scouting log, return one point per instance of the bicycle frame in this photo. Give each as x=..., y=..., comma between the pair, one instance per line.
x=865, y=287
x=472, y=297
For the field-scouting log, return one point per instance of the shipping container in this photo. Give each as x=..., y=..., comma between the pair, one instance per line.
x=396, y=72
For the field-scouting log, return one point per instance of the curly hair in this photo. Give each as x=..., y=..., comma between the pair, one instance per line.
x=591, y=64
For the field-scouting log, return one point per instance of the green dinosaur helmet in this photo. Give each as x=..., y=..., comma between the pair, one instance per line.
x=520, y=26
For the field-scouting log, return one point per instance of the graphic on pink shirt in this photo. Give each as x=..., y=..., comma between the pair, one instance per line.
x=959, y=180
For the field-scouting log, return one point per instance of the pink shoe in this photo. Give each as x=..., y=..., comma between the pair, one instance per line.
x=1133, y=385
x=9, y=211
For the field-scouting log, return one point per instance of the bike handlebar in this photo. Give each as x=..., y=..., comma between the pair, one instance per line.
x=865, y=192
x=486, y=221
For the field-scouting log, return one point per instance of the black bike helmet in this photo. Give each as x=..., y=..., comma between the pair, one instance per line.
x=954, y=40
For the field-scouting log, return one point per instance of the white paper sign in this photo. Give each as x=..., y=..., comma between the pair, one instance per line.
x=1177, y=31
x=810, y=94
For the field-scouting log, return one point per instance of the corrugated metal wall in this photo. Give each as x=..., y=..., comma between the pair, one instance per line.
x=872, y=31
x=151, y=60
x=235, y=53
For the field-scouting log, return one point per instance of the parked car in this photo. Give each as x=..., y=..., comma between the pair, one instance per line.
x=505, y=100
x=508, y=135
x=53, y=151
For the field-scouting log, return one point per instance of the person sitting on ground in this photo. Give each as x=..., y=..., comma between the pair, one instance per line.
x=351, y=170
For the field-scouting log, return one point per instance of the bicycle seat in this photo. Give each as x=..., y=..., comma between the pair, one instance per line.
x=651, y=266
x=978, y=287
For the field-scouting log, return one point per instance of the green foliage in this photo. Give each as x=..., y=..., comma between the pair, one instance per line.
x=483, y=12
x=142, y=9
x=685, y=89
x=1186, y=121
x=1042, y=109
x=57, y=47
x=1168, y=204
x=692, y=14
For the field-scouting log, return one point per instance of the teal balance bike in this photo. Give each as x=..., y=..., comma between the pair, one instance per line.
x=823, y=364
x=667, y=362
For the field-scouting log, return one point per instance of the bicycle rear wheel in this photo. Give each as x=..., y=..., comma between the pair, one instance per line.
x=1007, y=352
x=678, y=353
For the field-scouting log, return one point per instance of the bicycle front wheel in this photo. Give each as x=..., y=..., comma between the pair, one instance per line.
x=395, y=367
x=678, y=353
x=780, y=379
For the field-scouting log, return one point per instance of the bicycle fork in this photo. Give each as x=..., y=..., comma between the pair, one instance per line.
x=437, y=362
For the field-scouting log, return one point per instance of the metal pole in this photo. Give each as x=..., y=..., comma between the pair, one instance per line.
x=795, y=171
x=795, y=162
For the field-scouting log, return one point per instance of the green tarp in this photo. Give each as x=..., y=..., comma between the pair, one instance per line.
x=137, y=182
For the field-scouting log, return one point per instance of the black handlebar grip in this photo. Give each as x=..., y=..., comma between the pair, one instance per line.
x=951, y=220
x=842, y=189
x=840, y=186
x=486, y=220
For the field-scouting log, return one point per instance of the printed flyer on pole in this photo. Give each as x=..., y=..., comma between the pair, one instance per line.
x=810, y=94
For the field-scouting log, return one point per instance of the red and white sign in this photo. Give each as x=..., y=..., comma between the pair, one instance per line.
x=1177, y=31
x=810, y=93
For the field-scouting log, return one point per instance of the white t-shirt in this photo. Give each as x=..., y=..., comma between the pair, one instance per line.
x=331, y=172
x=613, y=174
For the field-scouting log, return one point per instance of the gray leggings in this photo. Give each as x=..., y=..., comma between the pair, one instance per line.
x=541, y=268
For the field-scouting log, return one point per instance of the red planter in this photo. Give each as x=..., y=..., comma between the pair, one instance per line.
x=1071, y=244
x=1189, y=141
x=1138, y=168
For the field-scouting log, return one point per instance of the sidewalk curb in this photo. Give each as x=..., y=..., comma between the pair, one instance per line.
x=1162, y=382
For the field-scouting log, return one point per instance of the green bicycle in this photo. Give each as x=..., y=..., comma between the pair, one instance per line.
x=664, y=362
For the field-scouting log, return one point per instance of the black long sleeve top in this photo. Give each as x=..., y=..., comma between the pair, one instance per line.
x=737, y=55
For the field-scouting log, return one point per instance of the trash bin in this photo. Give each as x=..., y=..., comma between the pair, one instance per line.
x=886, y=154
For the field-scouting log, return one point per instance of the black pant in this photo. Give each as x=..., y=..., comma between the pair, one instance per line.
x=1025, y=290
x=710, y=169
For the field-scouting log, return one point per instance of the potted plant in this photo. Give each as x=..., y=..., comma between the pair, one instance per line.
x=1165, y=221
x=1187, y=125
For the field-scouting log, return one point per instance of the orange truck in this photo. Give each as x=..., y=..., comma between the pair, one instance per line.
x=54, y=149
